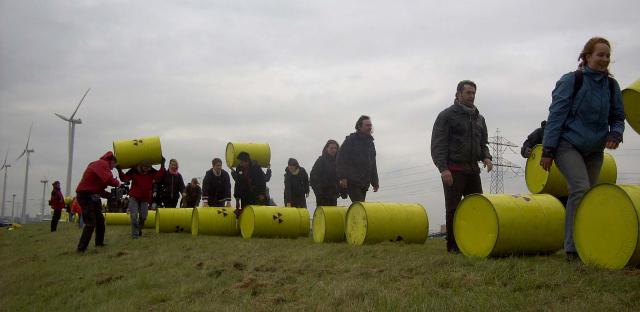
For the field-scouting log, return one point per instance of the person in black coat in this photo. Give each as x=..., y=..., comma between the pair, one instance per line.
x=250, y=184
x=296, y=185
x=216, y=186
x=356, y=161
x=324, y=180
x=172, y=185
x=532, y=140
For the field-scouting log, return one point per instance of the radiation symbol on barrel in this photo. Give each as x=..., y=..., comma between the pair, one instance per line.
x=223, y=212
x=179, y=229
x=277, y=217
x=137, y=141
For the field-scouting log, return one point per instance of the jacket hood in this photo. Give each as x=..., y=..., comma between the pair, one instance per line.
x=108, y=156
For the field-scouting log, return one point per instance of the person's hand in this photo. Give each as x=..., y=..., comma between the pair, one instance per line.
x=288, y=204
x=612, y=144
x=527, y=152
x=488, y=164
x=228, y=204
x=375, y=188
x=447, y=178
x=343, y=183
x=546, y=163
x=261, y=197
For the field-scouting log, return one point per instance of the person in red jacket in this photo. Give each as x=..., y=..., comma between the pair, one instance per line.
x=92, y=186
x=141, y=192
x=57, y=203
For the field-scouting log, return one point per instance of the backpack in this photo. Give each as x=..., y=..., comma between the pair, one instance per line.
x=579, y=78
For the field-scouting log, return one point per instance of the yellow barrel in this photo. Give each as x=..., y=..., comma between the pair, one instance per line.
x=150, y=223
x=122, y=218
x=117, y=218
x=214, y=221
x=369, y=223
x=500, y=224
x=607, y=226
x=173, y=220
x=131, y=152
x=631, y=101
x=260, y=152
x=270, y=221
x=553, y=182
x=328, y=224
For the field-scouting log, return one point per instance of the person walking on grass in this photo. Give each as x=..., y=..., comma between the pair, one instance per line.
x=296, y=185
x=586, y=115
x=192, y=194
x=57, y=204
x=140, y=196
x=91, y=188
x=459, y=141
x=250, y=185
x=356, y=161
x=324, y=180
x=172, y=185
x=216, y=185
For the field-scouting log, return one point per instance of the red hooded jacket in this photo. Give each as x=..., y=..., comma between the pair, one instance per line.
x=141, y=183
x=98, y=176
x=57, y=200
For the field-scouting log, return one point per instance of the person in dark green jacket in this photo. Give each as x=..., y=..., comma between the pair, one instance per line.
x=458, y=142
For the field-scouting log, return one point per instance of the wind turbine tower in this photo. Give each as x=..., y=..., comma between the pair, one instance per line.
x=72, y=130
x=5, y=167
x=28, y=152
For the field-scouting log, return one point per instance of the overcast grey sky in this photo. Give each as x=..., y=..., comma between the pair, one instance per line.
x=292, y=74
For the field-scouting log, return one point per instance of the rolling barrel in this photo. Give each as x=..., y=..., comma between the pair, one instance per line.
x=123, y=218
x=606, y=229
x=553, y=182
x=370, y=223
x=631, y=101
x=328, y=224
x=260, y=152
x=487, y=225
x=270, y=221
x=173, y=220
x=131, y=152
x=214, y=221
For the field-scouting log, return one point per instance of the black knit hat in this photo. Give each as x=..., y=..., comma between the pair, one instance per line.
x=244, y=156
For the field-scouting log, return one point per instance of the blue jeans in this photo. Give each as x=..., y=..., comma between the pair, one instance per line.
x=138, y=211
x=581, y=172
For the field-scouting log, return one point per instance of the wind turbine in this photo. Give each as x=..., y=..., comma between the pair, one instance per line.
x=72, y=130
x=26, y=176
x=5, y=167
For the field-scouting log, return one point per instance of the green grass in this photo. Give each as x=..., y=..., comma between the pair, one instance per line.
x=175, y=272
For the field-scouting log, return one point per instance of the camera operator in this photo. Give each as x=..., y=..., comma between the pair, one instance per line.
x=95, y=179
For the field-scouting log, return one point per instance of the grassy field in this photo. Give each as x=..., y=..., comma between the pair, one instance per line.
x=176, y=272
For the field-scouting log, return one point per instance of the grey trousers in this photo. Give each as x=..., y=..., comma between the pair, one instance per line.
x=581, y=172
x=138, y=211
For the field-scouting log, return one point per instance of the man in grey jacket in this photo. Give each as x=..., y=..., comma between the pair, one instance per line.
x=458, y=142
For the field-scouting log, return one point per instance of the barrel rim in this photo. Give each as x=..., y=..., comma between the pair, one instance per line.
x=495, y=213
x=636, y=220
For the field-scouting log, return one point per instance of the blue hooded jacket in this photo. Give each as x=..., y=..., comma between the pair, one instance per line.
x=587, y=120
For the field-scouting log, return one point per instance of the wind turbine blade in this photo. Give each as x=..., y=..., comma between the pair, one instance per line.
x=29, y=137
x=82, y=99
x=23, y=152
x=61, y=117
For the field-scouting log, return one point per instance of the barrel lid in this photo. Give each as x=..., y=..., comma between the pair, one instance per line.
x=356, y=229
x=606, y=225
x=247, y=222
x=318, y=225
x=631, y=101
x=475, y=226
x=535, y=176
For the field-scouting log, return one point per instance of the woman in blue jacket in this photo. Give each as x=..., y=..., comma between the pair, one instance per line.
x=586, y=115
